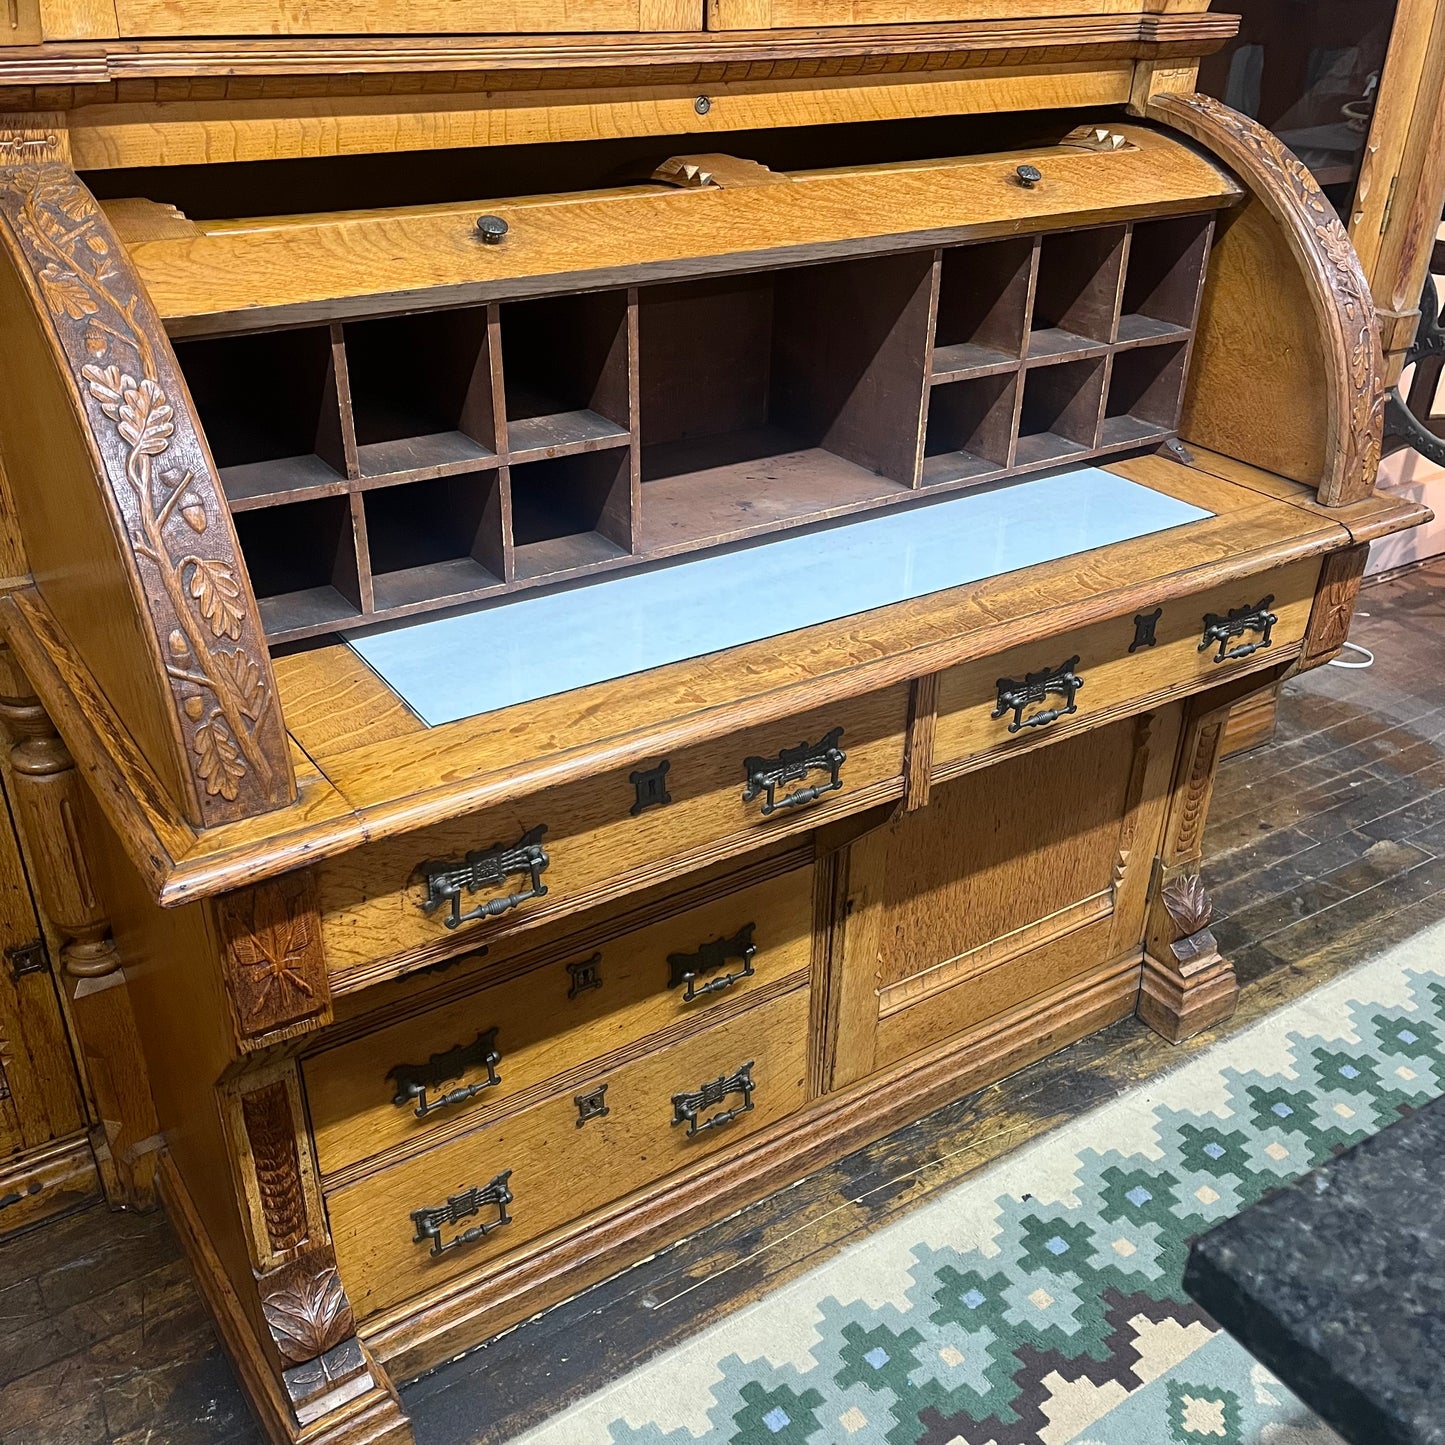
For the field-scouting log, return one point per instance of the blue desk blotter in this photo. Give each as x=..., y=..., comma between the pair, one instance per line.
x=457, y=666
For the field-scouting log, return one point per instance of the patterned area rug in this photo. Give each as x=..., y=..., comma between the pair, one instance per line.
x=1040, y=1300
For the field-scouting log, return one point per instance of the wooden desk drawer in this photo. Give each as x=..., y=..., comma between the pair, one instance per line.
x=430, y=1070
x=606, y=836
x=1118, y=666
x=557, y=1165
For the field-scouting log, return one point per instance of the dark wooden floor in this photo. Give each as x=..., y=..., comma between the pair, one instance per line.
x=1325, y=847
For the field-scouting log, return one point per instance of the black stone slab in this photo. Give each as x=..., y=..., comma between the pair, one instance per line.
x=1337, y=1284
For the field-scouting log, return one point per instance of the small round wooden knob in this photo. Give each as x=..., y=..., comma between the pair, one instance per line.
x=492, y=230
x=1029, y=176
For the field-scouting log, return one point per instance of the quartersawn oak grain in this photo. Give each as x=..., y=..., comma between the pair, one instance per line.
x=960, y=906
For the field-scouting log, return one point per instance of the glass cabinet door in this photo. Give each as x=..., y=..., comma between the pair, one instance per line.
x=1309, y=70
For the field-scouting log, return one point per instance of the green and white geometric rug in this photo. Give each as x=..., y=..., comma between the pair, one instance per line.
x=1040, y=1300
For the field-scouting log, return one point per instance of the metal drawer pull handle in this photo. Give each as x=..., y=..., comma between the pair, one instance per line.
x=767, y=775
x=687, y=1107
x=688, y=967
x=413, y=1080
x=1013, y=696
x=488, y=868
x=430, y=1222
x=1236, y=623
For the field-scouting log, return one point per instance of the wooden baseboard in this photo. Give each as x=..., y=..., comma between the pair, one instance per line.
x=429, y=1331
x=375, y=1418
x=41, y=1183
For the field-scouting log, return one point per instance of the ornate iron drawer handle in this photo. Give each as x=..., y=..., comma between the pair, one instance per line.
x=430, y=1222
x=1236, y=623
x=488, y=868
x=1014, y=696
x=688, y=967
x=767, y=775
x=687, y=1107
x=413, y=1080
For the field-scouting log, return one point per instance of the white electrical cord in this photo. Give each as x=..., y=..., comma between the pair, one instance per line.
x=1354, y=647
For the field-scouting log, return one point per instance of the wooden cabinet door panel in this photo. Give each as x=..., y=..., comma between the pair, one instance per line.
x=1010, y=882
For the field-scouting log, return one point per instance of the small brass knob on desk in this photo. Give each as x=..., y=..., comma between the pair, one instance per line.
x=1028, y=176
x=492, y=230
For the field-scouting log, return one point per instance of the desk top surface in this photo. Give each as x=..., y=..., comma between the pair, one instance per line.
x=368, y=767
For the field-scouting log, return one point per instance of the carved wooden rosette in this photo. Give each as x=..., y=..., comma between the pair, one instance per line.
x=1186, y=986
x=161, y=489
x=273, y=959
x=1340, y=294
x=1335, y=598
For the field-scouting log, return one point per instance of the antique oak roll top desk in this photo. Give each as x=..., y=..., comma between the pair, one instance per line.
x=611, y=616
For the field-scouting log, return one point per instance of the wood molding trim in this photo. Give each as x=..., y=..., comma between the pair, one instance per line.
x=91, y=63
x=208, y=681
x=1344, y=310
x=42, y=1183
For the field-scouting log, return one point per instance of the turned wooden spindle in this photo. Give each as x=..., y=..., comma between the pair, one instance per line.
x=47, y=800
x=46, y=793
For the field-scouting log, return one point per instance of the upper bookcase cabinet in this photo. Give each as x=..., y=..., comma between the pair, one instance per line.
x=795, y=14
x=141, y=18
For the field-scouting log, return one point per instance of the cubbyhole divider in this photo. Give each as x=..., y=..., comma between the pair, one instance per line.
x=397, y=463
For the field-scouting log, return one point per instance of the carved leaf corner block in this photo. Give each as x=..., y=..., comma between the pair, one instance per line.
x=1334, y=608
x=1193, y=945
x=1290, y=192
x=162, y=484
x=306, y=1308
x=1188, y=904
x=310, y=1322
x=274, y=961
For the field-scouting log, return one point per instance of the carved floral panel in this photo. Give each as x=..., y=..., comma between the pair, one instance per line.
x=163, y=487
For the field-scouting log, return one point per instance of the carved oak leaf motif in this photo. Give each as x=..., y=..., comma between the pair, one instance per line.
x=1188, y=905
x=245, y=676
x=102, y=319
x=217, y=591
x=66, y=294
x=220, y=766
x=308, y=1314
x=145, y=419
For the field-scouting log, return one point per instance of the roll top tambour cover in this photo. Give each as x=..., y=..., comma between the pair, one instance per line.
x=281, y=271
